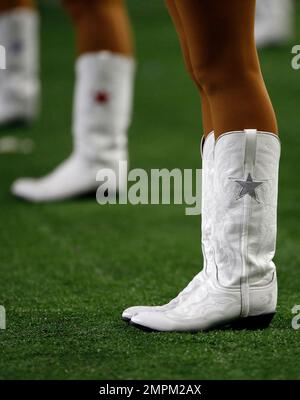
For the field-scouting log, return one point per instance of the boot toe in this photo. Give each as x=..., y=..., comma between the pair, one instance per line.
x=152, y=321
x=25, y=189
x=131, y=311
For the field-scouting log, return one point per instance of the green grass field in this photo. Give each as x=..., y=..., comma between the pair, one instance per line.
x=69, y=269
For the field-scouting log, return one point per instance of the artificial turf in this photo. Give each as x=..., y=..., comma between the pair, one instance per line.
x=69, y=269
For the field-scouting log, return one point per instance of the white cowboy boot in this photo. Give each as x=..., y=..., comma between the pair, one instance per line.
x=102, y=111
x=273, y=24
x=19, y=82
x=207, y=152
x=239, y=288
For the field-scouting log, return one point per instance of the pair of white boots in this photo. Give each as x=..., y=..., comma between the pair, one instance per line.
x=238, y=285
x=101, y=115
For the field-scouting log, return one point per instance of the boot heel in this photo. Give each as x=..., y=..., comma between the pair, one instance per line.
x=253, y=323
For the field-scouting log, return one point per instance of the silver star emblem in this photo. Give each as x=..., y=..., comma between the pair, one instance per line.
x=248, y=187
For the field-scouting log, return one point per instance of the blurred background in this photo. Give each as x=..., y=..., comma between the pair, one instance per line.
x=68, y=269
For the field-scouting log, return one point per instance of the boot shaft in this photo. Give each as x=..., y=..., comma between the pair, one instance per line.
x=245, y=207
x=102, y=106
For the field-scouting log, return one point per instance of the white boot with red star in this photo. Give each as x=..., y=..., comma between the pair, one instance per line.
x=102, y=111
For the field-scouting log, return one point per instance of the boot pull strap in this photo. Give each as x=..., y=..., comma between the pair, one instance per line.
x=250, y=149
x=203, y=141
x=202, y=145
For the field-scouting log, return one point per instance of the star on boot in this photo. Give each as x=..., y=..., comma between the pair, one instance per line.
x=248, y=187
